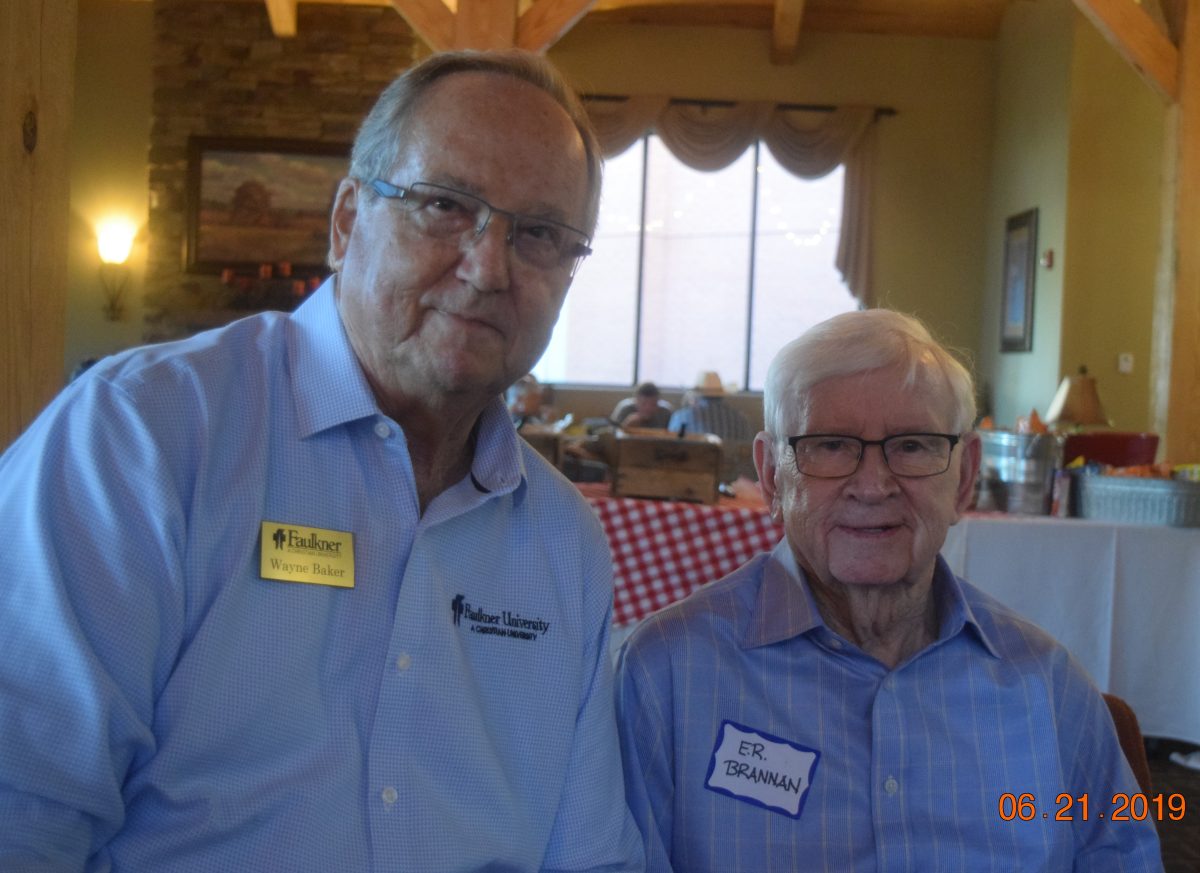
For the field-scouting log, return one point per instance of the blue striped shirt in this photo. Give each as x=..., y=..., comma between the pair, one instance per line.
x=164, y=707
x=884, y=770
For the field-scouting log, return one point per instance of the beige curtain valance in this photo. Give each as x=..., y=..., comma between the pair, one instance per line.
x=807, y=142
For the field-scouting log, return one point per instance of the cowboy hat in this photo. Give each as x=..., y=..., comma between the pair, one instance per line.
x=708, y=384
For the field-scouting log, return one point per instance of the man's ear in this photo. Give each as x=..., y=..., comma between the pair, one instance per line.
x=767, y=465
x=968, y=471
x=341, y=221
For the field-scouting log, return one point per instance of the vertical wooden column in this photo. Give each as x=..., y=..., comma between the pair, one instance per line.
x=1183, y=411
x=37, y=69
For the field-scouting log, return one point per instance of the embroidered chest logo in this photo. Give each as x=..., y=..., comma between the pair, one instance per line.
x=502, y=623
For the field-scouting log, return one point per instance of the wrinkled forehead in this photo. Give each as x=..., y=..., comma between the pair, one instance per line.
x=920, y=398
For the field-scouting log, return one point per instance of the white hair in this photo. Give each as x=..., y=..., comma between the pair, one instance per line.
x=857, y=342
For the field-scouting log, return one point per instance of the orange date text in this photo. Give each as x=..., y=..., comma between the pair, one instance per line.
x=1082, y=807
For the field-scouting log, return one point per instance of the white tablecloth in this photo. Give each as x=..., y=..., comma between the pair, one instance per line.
x=1123, y=599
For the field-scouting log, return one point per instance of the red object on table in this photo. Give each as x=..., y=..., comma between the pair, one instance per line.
x=1111, y=447
x=665, y=549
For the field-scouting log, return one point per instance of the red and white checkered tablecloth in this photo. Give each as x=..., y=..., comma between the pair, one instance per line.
x=663, y=550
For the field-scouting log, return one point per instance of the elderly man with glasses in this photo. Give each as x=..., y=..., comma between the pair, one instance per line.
x=292, y=594
x=845, y=703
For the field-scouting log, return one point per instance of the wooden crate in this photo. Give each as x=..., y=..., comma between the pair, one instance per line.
x=547, y=443
x=677, y=469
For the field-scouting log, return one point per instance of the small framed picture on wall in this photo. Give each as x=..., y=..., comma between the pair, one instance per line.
x=1020, y=271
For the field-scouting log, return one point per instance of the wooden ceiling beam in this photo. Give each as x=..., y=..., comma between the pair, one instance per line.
x=546, y=21
x=785, y=30
x=485, y=24
x=431, y=20
x=283, y=17
x=1133, y=33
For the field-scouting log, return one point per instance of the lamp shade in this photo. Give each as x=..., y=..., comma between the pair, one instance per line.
x=114, y=239
x=1077, y=402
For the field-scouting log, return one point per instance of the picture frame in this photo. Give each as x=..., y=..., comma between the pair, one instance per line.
x=256, y=206
x=1020, y=273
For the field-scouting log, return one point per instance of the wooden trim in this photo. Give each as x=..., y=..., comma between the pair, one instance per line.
x=1138, y=39
x=546, y=21
x=485, y=24
x=283, y=17
x=1183, y=411
x=432, y=21
x=37, y=86
x=785, y=30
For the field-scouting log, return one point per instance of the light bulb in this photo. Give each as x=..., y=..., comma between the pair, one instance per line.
x=114, y=237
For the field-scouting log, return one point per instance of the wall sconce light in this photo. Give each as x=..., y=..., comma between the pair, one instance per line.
x=114, y=239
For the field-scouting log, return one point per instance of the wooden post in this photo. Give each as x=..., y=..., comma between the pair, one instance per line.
x=37, y=84
x=1183, y=409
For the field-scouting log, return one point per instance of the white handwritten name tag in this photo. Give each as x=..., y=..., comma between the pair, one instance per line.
x=761, y=769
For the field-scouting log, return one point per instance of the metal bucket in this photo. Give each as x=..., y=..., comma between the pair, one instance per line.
x=1017, y=473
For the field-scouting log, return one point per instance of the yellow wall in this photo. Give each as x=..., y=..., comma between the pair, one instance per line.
x=1080, y=137
x=1028, y=170
x=108, y=166
x=1114, y=228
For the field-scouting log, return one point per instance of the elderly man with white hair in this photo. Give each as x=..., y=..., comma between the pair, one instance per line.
x=845, y=703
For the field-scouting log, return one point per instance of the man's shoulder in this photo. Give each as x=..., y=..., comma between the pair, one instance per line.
x=553, y=493
x=716, y=615
x=200, y=361
x=1015, y=637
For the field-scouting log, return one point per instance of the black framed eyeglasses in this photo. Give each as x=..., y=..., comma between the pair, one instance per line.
x=447, y=213
x=910, y=455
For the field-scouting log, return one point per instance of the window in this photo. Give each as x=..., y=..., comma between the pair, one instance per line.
x=698, y=271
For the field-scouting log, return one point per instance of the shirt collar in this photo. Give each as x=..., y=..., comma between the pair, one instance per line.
x=785, y=607
x=498, y=466
x=327, y=382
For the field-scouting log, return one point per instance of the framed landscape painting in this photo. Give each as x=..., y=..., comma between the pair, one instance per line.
x=260, y=201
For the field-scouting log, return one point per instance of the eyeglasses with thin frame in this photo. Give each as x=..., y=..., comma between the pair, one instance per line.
x=909, y=455
x=447, y=213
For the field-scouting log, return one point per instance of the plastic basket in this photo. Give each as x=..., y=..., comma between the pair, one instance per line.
x=1135, y=500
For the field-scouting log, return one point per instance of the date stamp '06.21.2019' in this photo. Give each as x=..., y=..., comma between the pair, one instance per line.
x=1081, y=807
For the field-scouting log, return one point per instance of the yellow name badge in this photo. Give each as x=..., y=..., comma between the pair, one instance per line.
x=294, y=553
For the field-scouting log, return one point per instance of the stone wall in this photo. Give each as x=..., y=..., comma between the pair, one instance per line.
x=220, y=72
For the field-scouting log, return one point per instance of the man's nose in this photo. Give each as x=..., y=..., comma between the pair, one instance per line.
x=487, y=255
x=873, y=473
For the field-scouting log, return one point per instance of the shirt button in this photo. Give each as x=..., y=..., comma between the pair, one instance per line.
x=889, y=683
x=404, y=661
x=835, y=643
x=389, y=795
x=382, y=430
x=891, y=786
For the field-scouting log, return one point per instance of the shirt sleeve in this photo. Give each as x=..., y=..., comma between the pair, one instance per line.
x=1099, y=771
x=593, y=829
x=643, y=700
x=89, y=602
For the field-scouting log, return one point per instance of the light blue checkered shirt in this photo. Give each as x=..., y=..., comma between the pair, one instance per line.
x=910, y=763
x=164, y=708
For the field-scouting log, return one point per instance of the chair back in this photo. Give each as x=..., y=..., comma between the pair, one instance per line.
x=1130, y=735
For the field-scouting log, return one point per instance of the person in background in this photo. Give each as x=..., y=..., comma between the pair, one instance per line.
x=645, y=408
x=844, y=702
x=292, y=594
x=707, y=412
x=524, y=399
